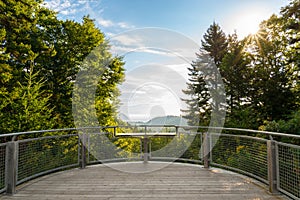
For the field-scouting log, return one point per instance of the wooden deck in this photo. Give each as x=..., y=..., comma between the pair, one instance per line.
x=175, y=181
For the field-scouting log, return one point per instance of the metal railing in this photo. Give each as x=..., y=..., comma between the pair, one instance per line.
x=272, y=158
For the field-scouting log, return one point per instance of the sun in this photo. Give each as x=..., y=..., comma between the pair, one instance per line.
x=247, y=24
x=246, y=21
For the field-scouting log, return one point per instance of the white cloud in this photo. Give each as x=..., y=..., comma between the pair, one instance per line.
x=155, y=41
x=64, y=7
x=127, y=41
x=152, y=85
x=180, y=69
x=156, y=51
x=125, y=25
x=112, y=24
x=104, y=23
x=68, y=12
x=74, y=9
x=156, y=62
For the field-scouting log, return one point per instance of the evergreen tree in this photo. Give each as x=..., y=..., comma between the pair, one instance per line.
x=199, y=108
x=215, y=43
x=27, y=107
x=203, y=86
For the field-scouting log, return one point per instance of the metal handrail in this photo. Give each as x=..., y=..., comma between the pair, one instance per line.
x=145, y=126
x=273, y=157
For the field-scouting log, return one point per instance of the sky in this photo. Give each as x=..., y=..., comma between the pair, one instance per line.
x=159, y=39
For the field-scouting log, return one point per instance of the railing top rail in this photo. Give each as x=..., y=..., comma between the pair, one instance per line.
x=44, y=131
x=161, y=134
x=209, y=129
x=261, y=132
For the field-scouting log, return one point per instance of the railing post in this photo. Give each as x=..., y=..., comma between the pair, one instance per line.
x=115, y=132
x=145, y=146
x=83, y=151
x=11, y=167
x=146, y=149
x=206, y=150
x=272, y=166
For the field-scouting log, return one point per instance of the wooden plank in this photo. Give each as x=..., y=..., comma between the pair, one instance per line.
x=174, y=181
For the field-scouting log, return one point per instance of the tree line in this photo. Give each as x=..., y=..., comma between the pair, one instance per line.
x=40, y=56
x=260, y=73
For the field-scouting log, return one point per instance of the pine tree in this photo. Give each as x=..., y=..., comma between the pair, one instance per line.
x=27, y=107
x=204, y=85
x=215, y=43
x=198, y=102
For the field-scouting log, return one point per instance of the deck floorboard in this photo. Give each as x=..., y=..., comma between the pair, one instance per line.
x=175, y=181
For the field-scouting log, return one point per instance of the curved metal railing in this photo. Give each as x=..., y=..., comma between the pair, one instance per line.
x=272, y=158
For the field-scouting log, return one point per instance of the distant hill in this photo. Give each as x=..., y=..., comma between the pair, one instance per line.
x=165, y=120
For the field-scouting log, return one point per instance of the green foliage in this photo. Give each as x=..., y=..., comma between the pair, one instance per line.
x=243, y=117
x=242, y=153
x=273, y=92
x=203, y=78
x=34, y=40
x=38, y=156
x=215, y=43
x=5, y=69
x=72, y=42
x=107, y=93
x=197, y=90
x=129, y=146
x=235, y=73
x=261, y=74
x=292, y=125
x=193, y=151
x=27, y=107
x=290, y=22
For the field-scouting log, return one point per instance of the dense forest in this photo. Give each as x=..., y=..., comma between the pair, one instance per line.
x=41, y=55
x=261, y=75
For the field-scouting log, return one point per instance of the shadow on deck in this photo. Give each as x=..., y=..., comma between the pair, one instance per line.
x=174, y=181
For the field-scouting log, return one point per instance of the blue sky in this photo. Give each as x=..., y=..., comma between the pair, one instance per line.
x=154, y=57
x=190, y=17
